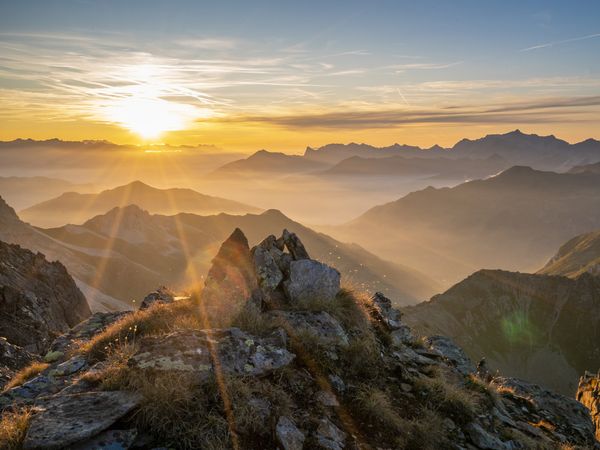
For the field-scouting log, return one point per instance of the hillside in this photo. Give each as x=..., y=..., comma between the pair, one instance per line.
x=273, y=353
x=267, y=163
x=521, y=323
x=514, y=221
x=579, y=255
x=76, y=208
x=185, y=243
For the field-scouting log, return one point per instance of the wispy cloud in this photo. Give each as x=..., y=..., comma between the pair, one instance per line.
x=565, y=41
x=516, y=112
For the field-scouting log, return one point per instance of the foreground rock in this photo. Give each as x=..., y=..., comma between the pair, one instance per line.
x=588, y=394
x=234, y=351
x=38, y=299
x=162, y=295
x=12, y=358
x=67, y=419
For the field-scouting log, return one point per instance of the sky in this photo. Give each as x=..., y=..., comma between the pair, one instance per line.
x=283, y=75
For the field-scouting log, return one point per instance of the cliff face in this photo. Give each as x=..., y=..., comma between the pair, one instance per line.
x=588, y=393
x=521, y=323
x=38, y=299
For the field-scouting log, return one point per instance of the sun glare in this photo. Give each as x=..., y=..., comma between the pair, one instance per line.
x=150, y=117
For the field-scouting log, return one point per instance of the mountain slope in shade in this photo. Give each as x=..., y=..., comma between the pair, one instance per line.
x=76, y=208
x=514, y=220
x=177, y=250
x=579, y=255
x=523, y=324
x=22, y=192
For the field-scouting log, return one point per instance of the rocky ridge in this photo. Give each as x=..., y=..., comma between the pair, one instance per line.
x=253, y=363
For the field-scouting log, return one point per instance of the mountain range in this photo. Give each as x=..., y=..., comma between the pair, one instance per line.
x=76, y=208
x=578, y=256
x=514, y=221
x=114, y=257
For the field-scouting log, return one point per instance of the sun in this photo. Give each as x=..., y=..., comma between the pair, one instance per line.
x=150, y=117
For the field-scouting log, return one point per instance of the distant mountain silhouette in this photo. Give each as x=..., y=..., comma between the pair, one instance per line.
x=594, y=168
x=76, y=208
x=272, y=163
x=535, y=327
x=514, y=220
x=577, y=256
x=515, y=147
x=22, y=192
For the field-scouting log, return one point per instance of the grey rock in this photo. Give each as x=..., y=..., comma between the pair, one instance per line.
x=109, y=440
x=484, y=440
x=402, y=335
x=12, y=359
x=265, y=264
x=329, y=436
x=190, y=351
x=64, y=420
x=69, y=367
x=451, y=353
x=384, y=312
x=320, y=324
x=162, y=295
x=569, y=418
x=337, y=383
x=294, y=246
x=288, y=435
x=27, y=392
x=327, y=398
x=309, y=280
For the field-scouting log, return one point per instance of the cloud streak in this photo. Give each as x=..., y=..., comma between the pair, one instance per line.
x=555, y=43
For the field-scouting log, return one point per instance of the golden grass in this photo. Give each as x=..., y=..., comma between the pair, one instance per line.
x=378, y=407
x=13, y=426
x=26, y=374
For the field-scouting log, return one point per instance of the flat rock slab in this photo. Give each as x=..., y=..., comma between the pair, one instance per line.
x=67, y=419
x=195, y=351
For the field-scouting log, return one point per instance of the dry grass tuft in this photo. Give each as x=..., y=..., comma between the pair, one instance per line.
x=26, y=374
x=448, y=399
x=377, y=406
x=13, y=426
x=157, y=319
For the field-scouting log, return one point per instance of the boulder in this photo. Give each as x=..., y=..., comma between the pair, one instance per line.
x=109, y=440
x=294, y=245
x=311, y=280
x=452, y=353
x=320, y=324
x=190, y=351
x=288, y=435
x=161, y=295
x=63, y=420
x=383, y=311
x=266, y=258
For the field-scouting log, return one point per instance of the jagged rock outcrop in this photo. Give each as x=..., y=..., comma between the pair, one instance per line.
x=588, y=394
x=38, y=299
x=267, y=273
x=327, y=374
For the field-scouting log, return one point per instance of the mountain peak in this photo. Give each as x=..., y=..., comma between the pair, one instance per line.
x=7, y=212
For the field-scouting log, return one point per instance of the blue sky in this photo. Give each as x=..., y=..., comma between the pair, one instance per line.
x=268, y=62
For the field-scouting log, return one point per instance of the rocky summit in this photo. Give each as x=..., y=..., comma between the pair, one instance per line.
x=273, y=353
